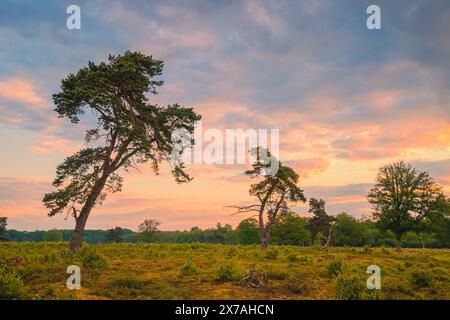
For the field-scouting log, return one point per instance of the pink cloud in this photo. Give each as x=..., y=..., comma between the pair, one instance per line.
x=60, y=145
x=20, y=90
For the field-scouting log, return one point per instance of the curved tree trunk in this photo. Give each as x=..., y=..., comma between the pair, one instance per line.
x=327, y=244
x=77, y=237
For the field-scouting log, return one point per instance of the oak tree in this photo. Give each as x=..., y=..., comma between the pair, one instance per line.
x=403, y=197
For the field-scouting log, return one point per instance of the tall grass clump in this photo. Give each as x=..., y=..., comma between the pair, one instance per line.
x=188, y=268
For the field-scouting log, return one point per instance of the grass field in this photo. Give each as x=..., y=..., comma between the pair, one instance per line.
x=206, y=271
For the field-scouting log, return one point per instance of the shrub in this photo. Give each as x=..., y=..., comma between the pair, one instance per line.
x=292, y=258
x=420, y=279
x=271, y=254
x=335, y=267
x=348, y=288
x=127, y=282
x=56, y=292
x=89, y=258
x=126, y=286
x=297, y=283
x=188, y=268
x=226, y=272
x=11, y=286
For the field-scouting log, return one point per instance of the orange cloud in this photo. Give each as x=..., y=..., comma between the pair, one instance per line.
x=310, y=166
x=20, y=90
x=60, y=145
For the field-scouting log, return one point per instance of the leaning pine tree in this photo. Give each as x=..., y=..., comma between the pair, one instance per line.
x=275, y=191
x=129, y=131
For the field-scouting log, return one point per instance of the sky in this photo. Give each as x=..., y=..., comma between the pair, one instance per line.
x=347, y=100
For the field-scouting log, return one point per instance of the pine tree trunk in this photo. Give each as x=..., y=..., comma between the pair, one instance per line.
x=77, y=237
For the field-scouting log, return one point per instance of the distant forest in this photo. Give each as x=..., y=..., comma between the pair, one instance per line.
x=290, y=230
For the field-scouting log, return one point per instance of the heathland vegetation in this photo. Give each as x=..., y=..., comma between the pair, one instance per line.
x=213, y=271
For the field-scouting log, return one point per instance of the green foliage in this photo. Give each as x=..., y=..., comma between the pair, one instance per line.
x=114, y=235
x=290, y=229
x=320, y=223
x=124, y=286
x=89, y=258
x=11, y=286
x=148, y=230
x=127, y=282
x=248, y=231
x=348, y=287
x=318, y=240
x=403, y=198
x=226, y=272
x=306, y=260
x=335, y=267
x=53, y=236
x=348, y=231
x=188, y=268
x=271, y=254
x=420, y=279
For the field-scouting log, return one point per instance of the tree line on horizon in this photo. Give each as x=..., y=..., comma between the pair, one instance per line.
x=289, y=229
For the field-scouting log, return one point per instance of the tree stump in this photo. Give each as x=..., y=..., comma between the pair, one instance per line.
x=256, y=278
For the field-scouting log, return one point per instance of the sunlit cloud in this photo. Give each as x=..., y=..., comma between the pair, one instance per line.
x=60, y=145
x=21, y=90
